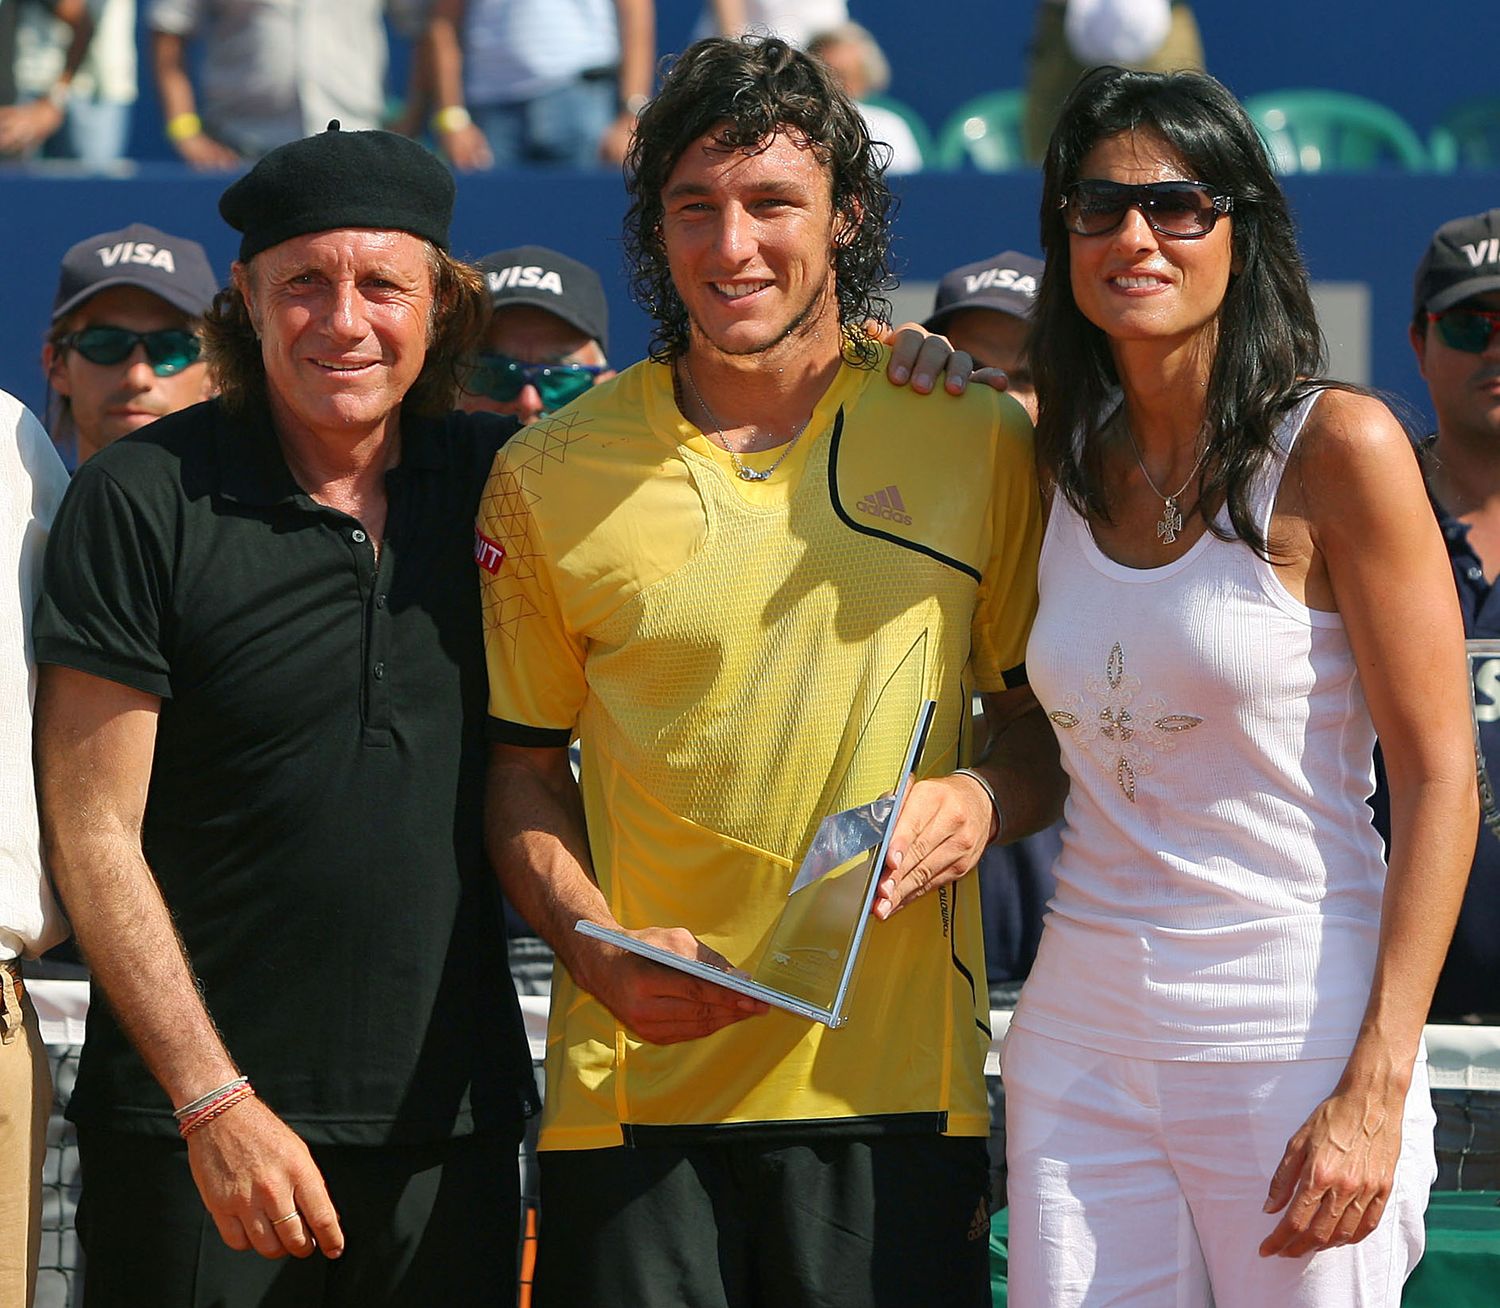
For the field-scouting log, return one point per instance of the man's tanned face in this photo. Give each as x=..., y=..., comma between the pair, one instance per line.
x=110, y=400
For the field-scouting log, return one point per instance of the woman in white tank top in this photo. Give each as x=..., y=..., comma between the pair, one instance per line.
x=1214, y=1078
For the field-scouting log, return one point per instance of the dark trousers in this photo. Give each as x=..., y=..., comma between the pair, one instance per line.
x=432, y=1224
x=897, y=1221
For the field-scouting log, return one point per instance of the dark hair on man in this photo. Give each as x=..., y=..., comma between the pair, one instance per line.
x=745, y=92
x=460, y=305
x=1268, y=350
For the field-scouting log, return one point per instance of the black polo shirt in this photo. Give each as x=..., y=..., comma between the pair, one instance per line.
x=1470, y=979
x=1469, y=984
x=314, y=813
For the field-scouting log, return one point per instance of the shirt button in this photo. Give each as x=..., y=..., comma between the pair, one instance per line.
x=357, y=536
x=1476, y=574
x=380, y=672
x=380, y=601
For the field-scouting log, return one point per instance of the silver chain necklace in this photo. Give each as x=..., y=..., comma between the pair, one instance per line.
x=1171, y=517
x=742, y=469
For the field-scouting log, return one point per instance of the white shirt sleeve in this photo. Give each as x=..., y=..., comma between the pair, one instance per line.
x=32, y=482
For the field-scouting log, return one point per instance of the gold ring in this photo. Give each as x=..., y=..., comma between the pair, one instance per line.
x=287, y=1218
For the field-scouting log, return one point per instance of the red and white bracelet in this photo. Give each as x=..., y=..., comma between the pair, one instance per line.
x=207, y=1107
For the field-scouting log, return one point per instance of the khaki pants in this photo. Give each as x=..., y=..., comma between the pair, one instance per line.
x=1054, y=70
x=25, y=1104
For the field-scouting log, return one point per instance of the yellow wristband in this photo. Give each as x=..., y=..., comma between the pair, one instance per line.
x=453, y=118
x=183, y=127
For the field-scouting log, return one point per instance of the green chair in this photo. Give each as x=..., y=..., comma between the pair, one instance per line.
x=985, y=132
x=913, y=120
x=1467, y=137
x=1312, y=131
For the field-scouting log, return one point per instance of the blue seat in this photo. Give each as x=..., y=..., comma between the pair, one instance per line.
x=1468, y=136
x=1312, y=131
x=986, y=133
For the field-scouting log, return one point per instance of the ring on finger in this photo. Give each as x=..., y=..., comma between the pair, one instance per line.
x=287, y=1218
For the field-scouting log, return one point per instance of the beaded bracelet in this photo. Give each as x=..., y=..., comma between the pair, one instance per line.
x=994, y=800
x=202, y=1101
x=217, y=1108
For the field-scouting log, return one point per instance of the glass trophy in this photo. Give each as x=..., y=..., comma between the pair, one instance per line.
x=808, y=962
x=1484, y=672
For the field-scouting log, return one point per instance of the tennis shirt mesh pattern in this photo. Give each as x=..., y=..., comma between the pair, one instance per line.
x=717, y=645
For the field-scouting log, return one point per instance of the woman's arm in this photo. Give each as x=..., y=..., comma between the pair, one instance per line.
x=1376, y=551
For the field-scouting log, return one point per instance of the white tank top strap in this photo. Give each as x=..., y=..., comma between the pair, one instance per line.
x=1262, y=491
x=1265, y=486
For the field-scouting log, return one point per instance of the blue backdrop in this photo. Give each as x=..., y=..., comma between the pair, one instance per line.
x=1366, y=229
x=1370, y=229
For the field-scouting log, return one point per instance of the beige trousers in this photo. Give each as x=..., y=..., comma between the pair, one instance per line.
x=25, y=1104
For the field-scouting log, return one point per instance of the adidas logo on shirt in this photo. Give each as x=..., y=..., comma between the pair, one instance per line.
x=886, y=504
x=979, y=1224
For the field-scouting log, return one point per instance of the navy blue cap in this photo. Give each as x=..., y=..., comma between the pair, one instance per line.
x=171, y=267
x=1006, y=283
x=533, y=274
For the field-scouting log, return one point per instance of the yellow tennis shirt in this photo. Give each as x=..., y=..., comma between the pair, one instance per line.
x=718, y=645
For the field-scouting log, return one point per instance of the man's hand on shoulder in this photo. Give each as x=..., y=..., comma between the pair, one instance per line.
x=657, y=1003
x=919, y=357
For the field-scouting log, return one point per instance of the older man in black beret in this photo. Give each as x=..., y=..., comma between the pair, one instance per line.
x=261, y=758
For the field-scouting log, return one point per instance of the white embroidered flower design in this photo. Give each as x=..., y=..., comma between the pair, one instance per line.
x=1124, y=735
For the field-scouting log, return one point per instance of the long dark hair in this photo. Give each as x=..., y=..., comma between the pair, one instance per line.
x=746, y=92
x=460, y=306
x=1268, y=348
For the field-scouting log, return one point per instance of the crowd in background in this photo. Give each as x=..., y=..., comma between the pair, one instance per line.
x=488, y=83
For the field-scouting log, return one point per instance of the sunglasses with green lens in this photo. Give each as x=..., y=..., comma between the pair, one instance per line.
x=169, y=351
x=502, y=378
x=1469, y=330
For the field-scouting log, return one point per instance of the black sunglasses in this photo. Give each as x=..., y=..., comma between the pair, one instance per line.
x=170, y=351
x=1184, y=210
x=1469, y=330
x=502, y=378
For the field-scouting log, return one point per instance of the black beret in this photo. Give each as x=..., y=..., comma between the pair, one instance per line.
x=341, y=179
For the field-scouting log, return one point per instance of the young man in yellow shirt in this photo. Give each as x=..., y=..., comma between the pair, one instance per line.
x=734, y=572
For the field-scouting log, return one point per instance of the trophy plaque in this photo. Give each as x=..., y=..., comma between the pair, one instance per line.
x=808, y=962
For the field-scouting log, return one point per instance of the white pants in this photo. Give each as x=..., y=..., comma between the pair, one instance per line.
x=1141, y=1182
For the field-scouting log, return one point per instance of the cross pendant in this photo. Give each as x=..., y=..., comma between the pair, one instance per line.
x=1171, y=522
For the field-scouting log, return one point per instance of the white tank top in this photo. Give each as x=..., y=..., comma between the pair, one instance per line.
x=1218, y=890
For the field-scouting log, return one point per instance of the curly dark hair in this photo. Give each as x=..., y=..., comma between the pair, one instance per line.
x=460, y=307
x=1269, y=350
x=745, y=92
